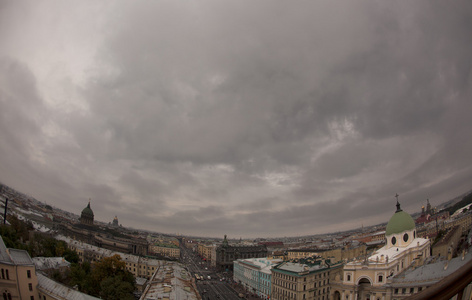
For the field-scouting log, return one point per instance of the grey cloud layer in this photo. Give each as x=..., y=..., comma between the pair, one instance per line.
x=242, y=118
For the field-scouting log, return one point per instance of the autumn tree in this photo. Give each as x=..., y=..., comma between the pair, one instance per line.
x=111, y=271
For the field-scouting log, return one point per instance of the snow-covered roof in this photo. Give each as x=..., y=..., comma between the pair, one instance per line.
x=393, y=252
x=44, y=263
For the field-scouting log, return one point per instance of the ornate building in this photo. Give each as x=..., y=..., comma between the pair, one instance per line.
x=371, y=277
x=226, y=254
x=98, y=236
x=86, y=218
x=115, y=222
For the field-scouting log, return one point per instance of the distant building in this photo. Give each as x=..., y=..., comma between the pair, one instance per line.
x=170, y=251
x=86, y=217
x=301, y=253
x=205, y=251
x=254, y=274
x=17, y=274
x=226, y=254
x=111, y=239
x=115, y=222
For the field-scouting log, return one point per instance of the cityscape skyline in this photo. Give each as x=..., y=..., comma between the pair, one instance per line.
x=248, y=119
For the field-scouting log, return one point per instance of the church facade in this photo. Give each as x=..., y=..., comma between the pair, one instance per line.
x=370, y=278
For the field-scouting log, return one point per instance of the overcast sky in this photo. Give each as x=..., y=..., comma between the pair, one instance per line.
x=245, y=118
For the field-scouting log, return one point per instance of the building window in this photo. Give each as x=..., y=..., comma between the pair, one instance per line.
x=405, y=237
x=412, y=290
x=28, y=273
x=380, y=278
x=30, y=286
x=32, y=298
x=403, y=290
x=396, y=291
x=394, y=240
x=348, y=277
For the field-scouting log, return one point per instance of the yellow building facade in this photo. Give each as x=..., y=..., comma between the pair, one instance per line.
x=17, y=274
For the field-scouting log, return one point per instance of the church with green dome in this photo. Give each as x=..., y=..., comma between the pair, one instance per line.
x=401, y=229
x=370, y=277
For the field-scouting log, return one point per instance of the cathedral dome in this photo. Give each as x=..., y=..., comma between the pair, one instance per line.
x=86, y=217
x=399, y=222
x=87, y=211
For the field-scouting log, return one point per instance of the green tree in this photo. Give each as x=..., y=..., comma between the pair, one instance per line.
x=116, y=287
x=80, y=276
x=71, y=256
x=109, y=267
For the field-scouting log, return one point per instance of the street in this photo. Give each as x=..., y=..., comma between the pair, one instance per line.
x=220, y=284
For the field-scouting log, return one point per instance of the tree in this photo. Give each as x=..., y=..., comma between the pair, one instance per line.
x=80, y=277
x=116, y=288
x=107, y=268
x=71, y=256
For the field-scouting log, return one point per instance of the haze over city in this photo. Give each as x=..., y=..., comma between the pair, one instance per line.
x=245, y=118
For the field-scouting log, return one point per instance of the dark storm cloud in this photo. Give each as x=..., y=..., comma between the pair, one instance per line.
x=260, y=118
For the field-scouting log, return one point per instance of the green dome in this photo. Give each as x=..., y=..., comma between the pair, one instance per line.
x=400, y=222
x=87, y=211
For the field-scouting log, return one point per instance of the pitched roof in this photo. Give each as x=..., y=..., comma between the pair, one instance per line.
x=4, y=256
x=60, y=291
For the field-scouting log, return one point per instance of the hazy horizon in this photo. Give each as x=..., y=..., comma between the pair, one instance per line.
x=262, y=118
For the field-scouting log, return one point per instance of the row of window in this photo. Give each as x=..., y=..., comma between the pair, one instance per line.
x=7, y=296
x=411, y=290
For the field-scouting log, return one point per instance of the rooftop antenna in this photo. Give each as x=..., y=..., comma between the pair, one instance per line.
x=5, y=214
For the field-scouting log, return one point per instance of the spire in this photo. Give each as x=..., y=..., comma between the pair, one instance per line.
x=398, y=204
x=225, y=241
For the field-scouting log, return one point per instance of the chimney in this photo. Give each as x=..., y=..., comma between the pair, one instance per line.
x=449, y=254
